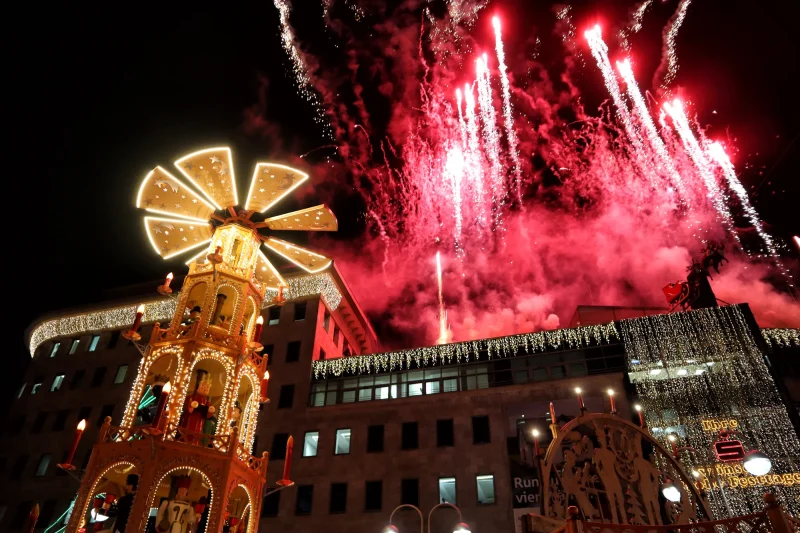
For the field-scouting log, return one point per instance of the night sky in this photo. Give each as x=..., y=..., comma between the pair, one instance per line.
x=99, y=97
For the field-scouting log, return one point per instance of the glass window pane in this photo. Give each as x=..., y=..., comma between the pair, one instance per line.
x=416, y=375
x=447, y=490
x=342, y=441
x=310, y=444
x=539, y=374
x=558, y=371
x=521, y=376
x=471, y=383
x=366, y=381
x=57, y=381
x=350, y=384
x=93, y=345
x=21, y=390
x=54, y=351
x=35, y=388
x=120, y=377
x=364, y=395
x=450, y=385
x=449, y=372
x=330, y=398
x=319, y=399
x=348, y=396
x=44, y=462
x=74, y=347
x=577, y=369
x=382, y=393
x=483, y=381
x=415, y=389
x=382, y=380
x=393, y=391
x=437, y=373
x=485, y=488
x=432, y=387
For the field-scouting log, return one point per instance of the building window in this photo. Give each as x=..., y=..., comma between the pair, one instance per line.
x=310, y=443
x=286, y=398
x=409, y=492
x=346, y=349
x=271, y=504
x=445, y=435
x=74, y=346
x=22, y=390
x=35, y=388
x=300, y=312
x=293, y=352
x=112, y=342
x=374, y=496
x=321, y=354
x=375, y=439
x=57, y=382
x=326, y=322
x=19, y=466
x=93, y=343
x=108, y=410
x=305, y=499
x=77, y=379
x=120, y=376
x=278, y=450
x=97, y=378
x=480, y=430
x=485, y=488
x=447, y=490
x=38, y=422
x=23, y=510
x=84, y=413
x=338, y=498
x=44, y=462
x=410, y=436
x=274, y=315
x=269, y=350
x=342, y=442
x=61, y=420
x=47, y=510
x=335, y=336
x=54, y=351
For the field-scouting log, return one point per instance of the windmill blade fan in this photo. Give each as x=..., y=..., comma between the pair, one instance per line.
x=267, y=274
x=172, y=236
x=306, y=259
x=163, y=193
x=270, y=184
x=317, y=218
x=211, y=171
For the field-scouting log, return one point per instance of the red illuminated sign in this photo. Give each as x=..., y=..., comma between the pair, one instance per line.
x=729, y=450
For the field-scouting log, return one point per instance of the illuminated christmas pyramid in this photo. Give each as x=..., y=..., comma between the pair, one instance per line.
x=181, y=457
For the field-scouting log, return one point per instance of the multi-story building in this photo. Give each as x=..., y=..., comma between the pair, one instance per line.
x=372, y=431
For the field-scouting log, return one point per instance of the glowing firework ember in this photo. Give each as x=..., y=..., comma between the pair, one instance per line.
x=616, y=201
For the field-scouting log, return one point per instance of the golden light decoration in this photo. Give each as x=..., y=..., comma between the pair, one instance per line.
x=183, y=219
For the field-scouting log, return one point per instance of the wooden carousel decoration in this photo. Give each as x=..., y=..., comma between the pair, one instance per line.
x=180, y=459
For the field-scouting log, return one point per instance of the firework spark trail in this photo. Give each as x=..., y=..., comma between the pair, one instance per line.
x=717, y=154
x=454, y=169
x=600, y=54
x=462, y=126
x=635, y=25
x=475, y=166
x=669, y=61
x=656, y=142
x=692, y=146
x=511, y=135
x=490, y=140
x=444, y=334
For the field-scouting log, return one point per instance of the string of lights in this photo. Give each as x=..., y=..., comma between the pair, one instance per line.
x=699, y=372
x=464, y=351
x=784, y=337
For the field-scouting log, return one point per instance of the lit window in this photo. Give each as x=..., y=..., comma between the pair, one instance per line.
x=35, y=388
x=485, y=488
x=93, y=344
x=22, y=390
x=120, y=377
x=447, y=490
x=342, y=442
x=310, y=444
x=57, y=381
x=54, y=351
x=44, y=462
x=74, y=347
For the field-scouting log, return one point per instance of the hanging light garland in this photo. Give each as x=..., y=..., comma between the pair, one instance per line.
x=701, y=371
x=783, y=337
x=465, y=351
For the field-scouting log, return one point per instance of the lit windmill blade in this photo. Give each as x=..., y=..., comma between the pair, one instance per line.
x=270, y=183
x=172, y=236
x=211, y=171
x=163, y=193
x=267, y=274
x=317, y=218
x=306, y=259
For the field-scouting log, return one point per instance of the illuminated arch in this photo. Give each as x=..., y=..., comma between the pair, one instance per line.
x=159, y=477
x=144, y=367
x=84, y=506
x=229, y=365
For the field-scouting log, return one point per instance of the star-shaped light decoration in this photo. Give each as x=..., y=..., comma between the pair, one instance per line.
x=188, y=225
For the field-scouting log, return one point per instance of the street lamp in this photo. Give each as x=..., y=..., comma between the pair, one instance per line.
x=757, y=463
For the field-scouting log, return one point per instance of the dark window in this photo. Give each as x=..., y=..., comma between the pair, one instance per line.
x=445, y=436
x=74, y=346
x=293, y=352
x=410, y=436
x=338, y=498
x=374, y=496
x=409, y=492
x=46, y=513
x=97, y=378
x=84, y=413
x=274, y=315
x=36, y=386
x=77, y=378
x=286, y=398
x=38, y=423
x=335, y=335
x=269, y=350
x=271, y=504
x=61, y=420
x=108, y=410
x=321, y=357
x=375, y=439
x=278, y=450
x=326, y=322
x=16, y=425
x=346, y=349
x=44, y=462
x=112, y=343
x=57, y=382
x=305, y=498
x=480, y=430
x=22, y=513
x=54, y=350
x=19, y=466
x=122, y=370
x=299, y=312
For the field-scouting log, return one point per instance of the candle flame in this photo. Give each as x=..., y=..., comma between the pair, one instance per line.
x=535, y=433
x=140, y=309
x=82, y=425
x=577, y=390
x=671, y=438
x=169, y=276
x=167, y=387
x=611, y=392
x=260, y=320
x=266, y=375
x=637, y=407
